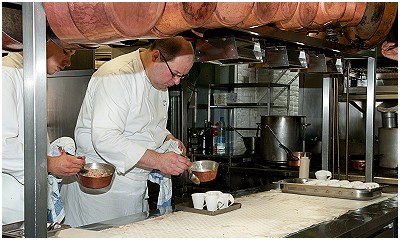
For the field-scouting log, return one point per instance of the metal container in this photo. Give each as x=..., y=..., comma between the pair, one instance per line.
x=295, y=162
x=389, y=119
x=288, y=131
x=252, y=144
x=388, y=146
x=86, y=180
x=205, y=170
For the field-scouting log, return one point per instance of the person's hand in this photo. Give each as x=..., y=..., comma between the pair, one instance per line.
x=181, y=146
x=65, y=164
x=389, y=50
x=172, y=163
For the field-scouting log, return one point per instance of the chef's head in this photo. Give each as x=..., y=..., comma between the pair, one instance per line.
x=57, y=58
x=172, y=60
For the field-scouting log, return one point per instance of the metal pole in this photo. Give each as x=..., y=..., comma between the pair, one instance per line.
x=35, y=138
x=326, y=93
x=369, y=124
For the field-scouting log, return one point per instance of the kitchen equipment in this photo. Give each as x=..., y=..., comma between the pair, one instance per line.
x=358, y=165
x=303, y=17
x=223, y=17
x=389, y=119
x=99, y=175
x=252, y=144
x=205, y=170
x=182, y=16
x=277, y=133
x=193, y=178
x=261, y=14
x=294, y=161
x=299, y=186
x=388, y=147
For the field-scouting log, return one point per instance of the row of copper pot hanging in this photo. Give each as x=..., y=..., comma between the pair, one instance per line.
x=87, y=24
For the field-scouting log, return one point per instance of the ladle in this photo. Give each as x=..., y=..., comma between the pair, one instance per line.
x=230, y=127
x=193, y=178
x=290, y=153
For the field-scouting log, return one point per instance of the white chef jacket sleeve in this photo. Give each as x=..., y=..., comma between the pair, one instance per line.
x=111, y=107
x=12, y=104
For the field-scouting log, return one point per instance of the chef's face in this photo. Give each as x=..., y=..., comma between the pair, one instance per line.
x=57, y=58
x=171, y=72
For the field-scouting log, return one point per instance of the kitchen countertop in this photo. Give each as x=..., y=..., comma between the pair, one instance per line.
x=361, y=219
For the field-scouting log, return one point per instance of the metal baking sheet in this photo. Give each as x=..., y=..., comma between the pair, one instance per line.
x=297, y=186
x=188, y=207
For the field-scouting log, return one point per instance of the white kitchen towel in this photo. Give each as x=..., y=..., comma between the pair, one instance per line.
x=55, y=207
x=164, y=180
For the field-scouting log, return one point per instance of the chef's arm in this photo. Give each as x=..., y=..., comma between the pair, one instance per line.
x=181, y=146
x=169, y=163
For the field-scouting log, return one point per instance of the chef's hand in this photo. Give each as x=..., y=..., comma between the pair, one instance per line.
x=174, y=164
x=181, y=146
x=169, y=163
x=65, y=164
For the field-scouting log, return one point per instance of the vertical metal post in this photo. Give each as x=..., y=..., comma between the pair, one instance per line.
x=369, y=124
x=326, y=99
x=288, y=100
x=35, y=152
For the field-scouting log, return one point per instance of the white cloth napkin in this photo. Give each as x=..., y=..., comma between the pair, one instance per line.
x=55, y=207
x=164, y=180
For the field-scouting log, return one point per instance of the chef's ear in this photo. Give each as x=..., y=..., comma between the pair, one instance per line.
x=156, y=55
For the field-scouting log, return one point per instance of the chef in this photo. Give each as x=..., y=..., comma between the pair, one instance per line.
x=57, y=59
x=122, y=122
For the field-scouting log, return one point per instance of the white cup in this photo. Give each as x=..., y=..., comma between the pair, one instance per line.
x=213, y=202
x=216, y=193
x=227, y=200
x=323, y=175
x=198, y=200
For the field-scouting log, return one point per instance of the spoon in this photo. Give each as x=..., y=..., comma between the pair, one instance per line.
x=192, y=177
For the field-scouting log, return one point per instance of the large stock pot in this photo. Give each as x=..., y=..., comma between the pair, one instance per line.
x=288, y=131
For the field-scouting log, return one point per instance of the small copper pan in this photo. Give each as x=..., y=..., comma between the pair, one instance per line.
x=295, y=161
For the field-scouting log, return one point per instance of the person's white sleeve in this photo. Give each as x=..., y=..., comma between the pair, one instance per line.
x=111, y=106
x=12, y=132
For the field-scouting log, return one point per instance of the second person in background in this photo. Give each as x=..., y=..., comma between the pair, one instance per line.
x=122, y=121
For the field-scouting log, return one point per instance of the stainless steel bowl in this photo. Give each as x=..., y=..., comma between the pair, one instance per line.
x=205, y=170
x=90, y=180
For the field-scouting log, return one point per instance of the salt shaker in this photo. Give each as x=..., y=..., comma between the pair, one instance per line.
x=304, y=167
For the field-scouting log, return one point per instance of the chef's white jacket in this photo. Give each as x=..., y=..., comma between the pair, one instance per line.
x=122, y=115
x=13, y=138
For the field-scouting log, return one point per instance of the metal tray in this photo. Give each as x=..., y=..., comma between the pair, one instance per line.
x=188, y=207
x=296, y=185
x=16, y=230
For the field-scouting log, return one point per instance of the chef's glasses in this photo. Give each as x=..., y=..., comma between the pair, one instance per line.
x=172, y=73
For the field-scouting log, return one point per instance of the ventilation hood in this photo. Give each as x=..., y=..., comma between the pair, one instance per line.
x=228, y=51
x=279, y=57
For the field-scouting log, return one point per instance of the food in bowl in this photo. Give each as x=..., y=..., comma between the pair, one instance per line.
x=96, y=173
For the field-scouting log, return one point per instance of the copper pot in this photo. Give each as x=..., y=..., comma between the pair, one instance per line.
x=261, y=14
x=303, y=17
x=223, y=17
x=205, y=170
x=96, y=175
x=358, y=165
x=182, y=16
x=295, y=161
